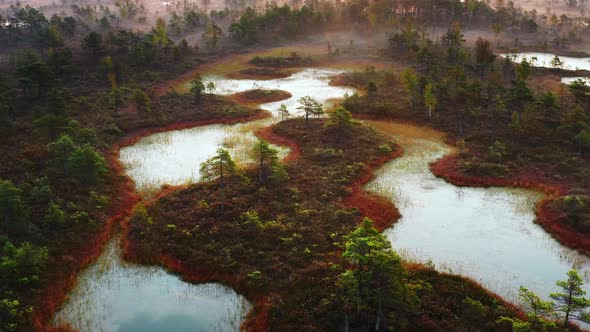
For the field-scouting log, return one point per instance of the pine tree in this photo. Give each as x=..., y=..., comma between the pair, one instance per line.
x=410, y=81
x=310, y=107
x=571, y=301
x=283, y=112
x=197, y=87
x=219, y=167
x=266, y=157
x=429, y=99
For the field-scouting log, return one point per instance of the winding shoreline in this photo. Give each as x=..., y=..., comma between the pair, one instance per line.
x=447, y=169
x=55, y=294
x=257, y=318
x=546, y=216
x=378, y=208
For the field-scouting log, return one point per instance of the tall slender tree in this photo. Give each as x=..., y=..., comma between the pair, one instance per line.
x=571, y=301
x=283, y=112
x=266, y=157
x=212, y=35
x=410, y=81
x=218, y=167
x=429, y=99
x=484, y=56
x=378, y=273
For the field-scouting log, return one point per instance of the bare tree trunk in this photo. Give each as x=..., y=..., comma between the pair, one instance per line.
x=379, y=312
x=569, y=306
x=221, y=183
x=346, y=323
x=494, y=126
x=260, y=175
x=461, y=130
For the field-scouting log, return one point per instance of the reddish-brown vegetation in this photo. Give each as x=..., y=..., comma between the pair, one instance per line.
x=60, y=282
x=291, y=206
x=528, y=163
x=286, y=260
x=380, y=209
x=269, y=135
x=259, y=96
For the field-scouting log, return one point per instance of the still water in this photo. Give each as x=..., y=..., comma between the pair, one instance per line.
x=173, y=157
x=487, y=234
x=545, y=60
x=113, y=295
x=116, y=296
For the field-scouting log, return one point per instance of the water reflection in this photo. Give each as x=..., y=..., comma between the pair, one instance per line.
x=174, y=157
x=546, y=60
x=570, y=80
x=485, y=233
x=113, y=295
x=177, y=323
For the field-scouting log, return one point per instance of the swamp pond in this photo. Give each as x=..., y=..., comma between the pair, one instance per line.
x=486, y=234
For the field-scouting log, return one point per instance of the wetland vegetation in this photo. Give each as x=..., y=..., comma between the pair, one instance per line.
x=356, y=166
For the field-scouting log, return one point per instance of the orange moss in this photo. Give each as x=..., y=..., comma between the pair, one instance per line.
x=257, y=319
x=380, y=209
x=550, y=219
x=268, y=134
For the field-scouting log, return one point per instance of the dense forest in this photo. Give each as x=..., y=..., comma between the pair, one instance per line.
x=297, y=236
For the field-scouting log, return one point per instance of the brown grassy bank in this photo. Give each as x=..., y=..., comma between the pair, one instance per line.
x=62, y=281
x=259, y=96
x=380, y=209
x=221, y=224
x=298, y=282
x=260, y=74
x=541, y=169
